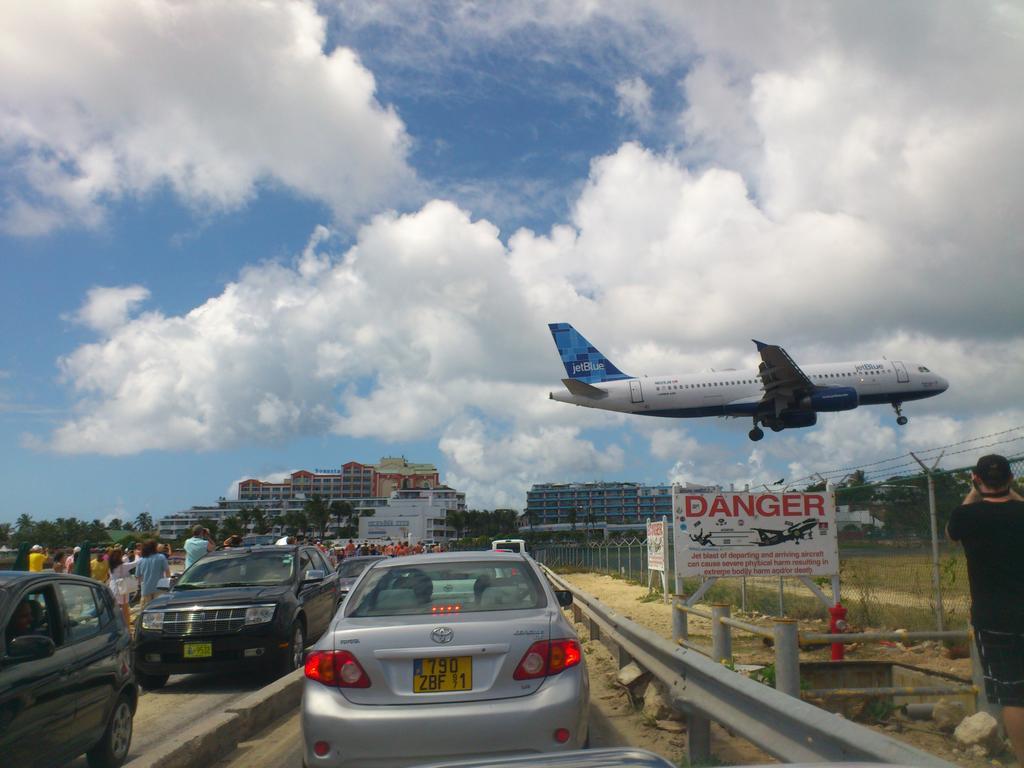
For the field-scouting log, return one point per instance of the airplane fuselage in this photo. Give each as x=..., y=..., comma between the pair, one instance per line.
x=741, y=393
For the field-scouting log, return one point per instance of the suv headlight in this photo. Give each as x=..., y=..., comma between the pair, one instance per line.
x=259, y=614
x=153, y=620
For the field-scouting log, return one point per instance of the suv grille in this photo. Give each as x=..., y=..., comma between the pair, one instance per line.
x=209, y=621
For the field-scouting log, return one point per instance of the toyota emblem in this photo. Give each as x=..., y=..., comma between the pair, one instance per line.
x=442, y=635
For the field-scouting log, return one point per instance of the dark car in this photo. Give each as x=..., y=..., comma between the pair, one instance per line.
x=247, y=607
x=66, y=680
x=351, y=568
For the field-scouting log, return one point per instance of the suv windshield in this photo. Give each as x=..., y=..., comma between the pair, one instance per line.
x=251, y=569
x=446, y=588
x=352, y=568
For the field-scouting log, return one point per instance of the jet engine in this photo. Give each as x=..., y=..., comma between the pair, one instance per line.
x=797, y=419
x=829, y=399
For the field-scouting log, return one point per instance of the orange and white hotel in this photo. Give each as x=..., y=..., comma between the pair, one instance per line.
x=352, y=481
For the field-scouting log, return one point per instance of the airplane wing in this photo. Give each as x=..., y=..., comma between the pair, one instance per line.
x=782, y=377
x=581, y=388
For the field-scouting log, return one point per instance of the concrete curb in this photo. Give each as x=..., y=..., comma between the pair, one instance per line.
x=217, y=735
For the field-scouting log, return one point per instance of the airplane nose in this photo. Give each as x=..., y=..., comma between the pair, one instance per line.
x=943, y=384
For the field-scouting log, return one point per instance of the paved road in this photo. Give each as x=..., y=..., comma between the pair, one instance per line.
x=185, y=700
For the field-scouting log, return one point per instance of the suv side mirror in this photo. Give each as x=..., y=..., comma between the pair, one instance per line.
x=313, y=575
x=564, y=597
x=30, y=648
x=164, y=585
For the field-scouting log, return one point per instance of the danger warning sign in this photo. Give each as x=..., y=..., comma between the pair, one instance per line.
x=755, y=534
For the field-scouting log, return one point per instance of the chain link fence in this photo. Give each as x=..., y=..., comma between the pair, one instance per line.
x=886, y=585
x=885, y=551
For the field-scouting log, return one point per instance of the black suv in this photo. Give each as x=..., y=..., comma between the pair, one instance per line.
x=248, y=607
x=66, y=682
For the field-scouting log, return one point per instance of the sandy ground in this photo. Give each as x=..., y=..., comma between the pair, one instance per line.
x=628, y=600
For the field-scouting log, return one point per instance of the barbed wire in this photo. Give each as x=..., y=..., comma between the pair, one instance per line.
x=892, y=471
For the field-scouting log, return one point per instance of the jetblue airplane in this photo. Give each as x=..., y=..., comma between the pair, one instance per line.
x=780, y=395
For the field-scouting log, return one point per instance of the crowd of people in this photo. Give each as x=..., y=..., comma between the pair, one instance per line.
x=131, y=573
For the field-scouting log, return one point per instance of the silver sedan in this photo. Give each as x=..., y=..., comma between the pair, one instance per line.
x=445, y=656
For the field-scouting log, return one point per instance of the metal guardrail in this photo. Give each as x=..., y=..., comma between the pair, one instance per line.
x=783, y=726
x=787, y=640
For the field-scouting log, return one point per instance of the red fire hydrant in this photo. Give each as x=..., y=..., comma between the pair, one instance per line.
x=837, y=626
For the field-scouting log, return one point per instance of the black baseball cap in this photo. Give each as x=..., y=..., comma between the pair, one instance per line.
x=994, y=471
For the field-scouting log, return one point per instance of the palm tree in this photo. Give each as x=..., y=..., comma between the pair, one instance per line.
x=231, y=525
x=259, y=520
x=456, y=518
x=24, y=522
x=144, y=522
x=317, y=513
x=342, y=510
x=115, y=524
x=245, y=518
x=5, y=532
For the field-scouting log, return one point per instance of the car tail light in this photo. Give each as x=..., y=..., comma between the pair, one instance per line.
x=562, y=735
x=548, y=657
x=336, y=668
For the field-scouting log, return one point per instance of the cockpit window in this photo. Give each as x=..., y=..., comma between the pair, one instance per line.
x=922, y=369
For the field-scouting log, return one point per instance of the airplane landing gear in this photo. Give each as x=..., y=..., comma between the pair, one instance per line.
x=900, y=418
x=756, y=433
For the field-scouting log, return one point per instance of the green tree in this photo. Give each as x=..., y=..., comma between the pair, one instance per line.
x=318, y=514
x=144, y=522
x=116, y=524
x=456, y=519
x=231, y=525
x=259, y=520
x=346, y=517
x=5, y=532
x=245, y=516
x=212, y=526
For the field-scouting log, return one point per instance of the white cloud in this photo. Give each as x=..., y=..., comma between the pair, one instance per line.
x=211, y=99
x=634, y=100
x=847, y=187
x=500, y=468
x=107, y=308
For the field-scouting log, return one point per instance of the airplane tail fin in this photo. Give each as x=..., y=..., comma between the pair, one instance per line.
x=581, y=359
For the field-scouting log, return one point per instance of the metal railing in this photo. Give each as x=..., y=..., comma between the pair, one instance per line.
x=786, y=728
x=787, y=640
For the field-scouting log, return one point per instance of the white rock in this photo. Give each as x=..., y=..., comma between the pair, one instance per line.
x=629, y=674
x=976, y=750
x=979, y=729
x=654, y=704
x=948, y=714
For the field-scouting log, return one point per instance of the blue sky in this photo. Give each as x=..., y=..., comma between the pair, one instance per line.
x=240, y=240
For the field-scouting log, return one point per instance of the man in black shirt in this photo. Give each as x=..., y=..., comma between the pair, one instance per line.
x=990, y=525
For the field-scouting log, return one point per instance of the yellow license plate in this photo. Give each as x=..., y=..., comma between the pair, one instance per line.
x=448, y=673
x=198, y=650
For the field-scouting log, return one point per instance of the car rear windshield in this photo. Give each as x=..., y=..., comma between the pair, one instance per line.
x=248, y=570
x=446, y=589
x=352, y=568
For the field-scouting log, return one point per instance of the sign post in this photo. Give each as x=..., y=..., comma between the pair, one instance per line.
x=727, y=534
x=656, y=541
